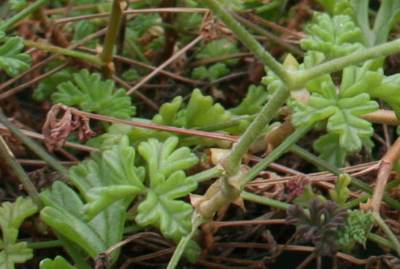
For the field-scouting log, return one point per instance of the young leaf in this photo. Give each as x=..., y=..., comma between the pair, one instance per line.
x=256, y=97
x=218, y=48
x=12, y=254
x=167, y=182
x=341, y=192
x=92, y=94
x=356, y=229
x=57, y=263
x=327, y=147
x=12, y=215
x=333, y=36
x=12, y=60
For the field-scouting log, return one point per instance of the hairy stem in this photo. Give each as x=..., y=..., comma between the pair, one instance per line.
x=301, y=77
x=19, y=172
x=6, y=25
x=246, y=38
x=392, y=237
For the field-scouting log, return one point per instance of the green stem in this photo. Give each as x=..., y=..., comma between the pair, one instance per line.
x=106, y=55
x=246, y=38
x=182, y=245
x=45, y=244
x=36, y=148
x=20, y=173
x=231, y=164
x=275, y=154
x=380, y=240
x=357, y=201
x=207, y=174
x=6, y=25
x=301, y=77
x=354, y=181
x=392, y=237
x=264, y=200
x=63, y=51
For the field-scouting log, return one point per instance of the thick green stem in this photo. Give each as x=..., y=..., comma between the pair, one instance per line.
x=6, y=25
x=45, y=244
x=207, y=174
x=20, y=173
x=63, y=51
x=301, y=77
x=392, y=237
x=106, y=55
x=354, y=181
x=33, y=145
x=246, y=38
x=231, y=164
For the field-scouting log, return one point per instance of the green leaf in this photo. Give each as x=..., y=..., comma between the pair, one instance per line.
x=12, y=215
x=333, y=36
x=18, y=5
x=63, y=213
x=48, y=85
x=256, y=97
x=357, y=227
x=386, y=18
x=341, y=192
x=12, y=254
x=92, y=94
x=57, y=263
x=167, y=182
x=218, y=48
x=12, y=60
x=328, y=148
x=211, y=73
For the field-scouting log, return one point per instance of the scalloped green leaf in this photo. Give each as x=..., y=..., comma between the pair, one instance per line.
x=333, y=36
x=12, y=60
x=327, y=147
x=57, y=263
x=254, y=100
x=218, y=48
x=92, y=94
x=12, y=254
x=167, y=182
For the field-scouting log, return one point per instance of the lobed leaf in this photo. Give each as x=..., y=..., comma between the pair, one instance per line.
x=12, y=60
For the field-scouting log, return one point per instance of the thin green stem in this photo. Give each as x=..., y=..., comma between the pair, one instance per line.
x=113, y=28
x=354, y=181
x=45, y=244
x=264, y=200
x=275, y=154
x=380, y=240
x=247, y=39
x=301, y=77
x=6, y=25
x=231, y=164
x=20, y=173
x=182, y=245
x=36, y=148
x=207, y=174
x=392, y=237
x=63, y=51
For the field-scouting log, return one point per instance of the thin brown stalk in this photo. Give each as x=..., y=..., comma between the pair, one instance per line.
x=220, y=224
x=138, y=94
x=385, y=169
x=153, y=126
x=165, y=64
x=42, y=138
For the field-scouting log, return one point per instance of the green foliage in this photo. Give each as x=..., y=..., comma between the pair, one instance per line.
x=49, y=84
x=12, y=60
x=307, y=196
x=57, y=263
x=211, y=73
x=167, y=182
x=356, y=229
x=17, y=5
x=341, y=192
x=64, y=214
x=385, y=19
x=92, y=94
x=254, y=100
x=333, y=36
x=11, y=217
x=84, y=28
